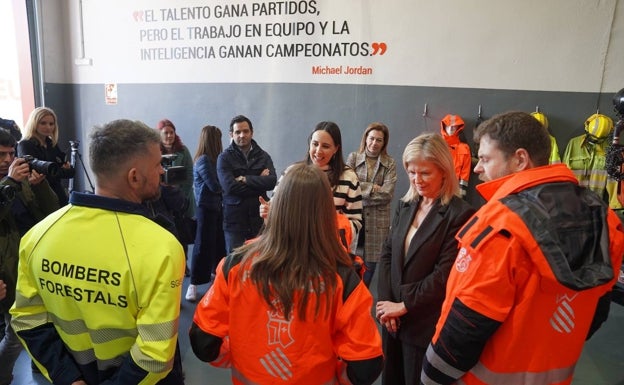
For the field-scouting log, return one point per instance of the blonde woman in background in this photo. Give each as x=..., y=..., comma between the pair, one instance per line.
x=40, y=141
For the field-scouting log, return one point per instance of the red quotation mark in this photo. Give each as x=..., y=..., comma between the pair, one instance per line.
x=379, y=48
x=138, y=15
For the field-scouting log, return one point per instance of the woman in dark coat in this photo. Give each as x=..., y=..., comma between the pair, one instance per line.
x=417, y=257
x=40, y=141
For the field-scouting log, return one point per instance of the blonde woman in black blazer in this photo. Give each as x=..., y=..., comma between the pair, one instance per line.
x=417, y=257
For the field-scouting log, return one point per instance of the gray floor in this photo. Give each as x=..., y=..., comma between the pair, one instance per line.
x=602, y=362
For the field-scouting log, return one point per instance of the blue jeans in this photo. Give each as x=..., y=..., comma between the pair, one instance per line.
x=10, y=348
x=233, y=239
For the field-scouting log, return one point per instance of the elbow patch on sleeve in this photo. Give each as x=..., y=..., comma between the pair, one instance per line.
x=364, y=372
x=601, y=314
x=459, y=345
x=205, y=346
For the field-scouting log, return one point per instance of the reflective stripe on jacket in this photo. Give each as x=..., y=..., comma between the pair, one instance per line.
x=105, y=287
x=588, y=162
x=535, y=259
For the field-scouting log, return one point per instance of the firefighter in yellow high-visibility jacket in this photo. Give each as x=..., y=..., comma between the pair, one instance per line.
x=98, y=292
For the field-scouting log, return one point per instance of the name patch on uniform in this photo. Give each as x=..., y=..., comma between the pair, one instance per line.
x=102, y=278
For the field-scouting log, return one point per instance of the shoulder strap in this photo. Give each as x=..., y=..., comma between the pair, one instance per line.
x=231, y=261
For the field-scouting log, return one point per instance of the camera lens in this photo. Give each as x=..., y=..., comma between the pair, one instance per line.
x=42, y=167
x=7, y=194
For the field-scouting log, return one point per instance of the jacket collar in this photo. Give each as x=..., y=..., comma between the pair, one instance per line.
x=360, y=158
x=105, y=203
x=254, y=147
x=519, y=181
x=38, y=144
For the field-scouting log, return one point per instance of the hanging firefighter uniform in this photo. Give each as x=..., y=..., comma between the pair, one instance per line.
x=451, y=127
x=554, y=149
x=585, y=155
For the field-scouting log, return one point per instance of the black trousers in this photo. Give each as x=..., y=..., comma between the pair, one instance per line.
x=403, y=362
x=209, y=245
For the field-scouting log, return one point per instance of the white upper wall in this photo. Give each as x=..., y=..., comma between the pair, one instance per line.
x=552, y=45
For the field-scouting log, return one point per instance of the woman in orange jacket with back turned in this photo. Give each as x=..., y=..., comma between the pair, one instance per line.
x=288, y=307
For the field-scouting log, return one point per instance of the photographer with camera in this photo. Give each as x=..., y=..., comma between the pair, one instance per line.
x=171, y=144
x=170, y=204
x=25, y=199
x=178, y=163
x=41, y=142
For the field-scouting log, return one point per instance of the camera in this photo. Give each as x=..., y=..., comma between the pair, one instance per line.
x=73, y=144
x=7, y=194
x=173, y=174
x=41, y=166
x=615, y=152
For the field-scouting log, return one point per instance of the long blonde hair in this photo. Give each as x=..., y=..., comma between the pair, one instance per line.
x=33, y=121
x=299, y=251
x=432, y=148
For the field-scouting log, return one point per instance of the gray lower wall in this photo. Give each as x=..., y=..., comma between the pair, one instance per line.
x=283, y=115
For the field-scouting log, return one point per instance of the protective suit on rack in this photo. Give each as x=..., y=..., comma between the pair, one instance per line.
x=451, y=127
x=585, y=155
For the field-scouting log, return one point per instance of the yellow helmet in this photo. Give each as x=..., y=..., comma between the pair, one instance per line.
x=599, y=126
x=540, y=118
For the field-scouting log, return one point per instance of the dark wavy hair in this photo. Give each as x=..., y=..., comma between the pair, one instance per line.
x=240, y=119
x=514, y=130
x=336, y=164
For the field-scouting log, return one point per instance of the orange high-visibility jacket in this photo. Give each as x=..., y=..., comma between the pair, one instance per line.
x=532, y=268
x=262, y=347
x=460, y=151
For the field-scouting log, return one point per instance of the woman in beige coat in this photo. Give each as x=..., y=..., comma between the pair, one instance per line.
x=376, y=171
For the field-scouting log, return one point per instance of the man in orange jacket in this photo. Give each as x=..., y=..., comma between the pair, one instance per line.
x=535, y=268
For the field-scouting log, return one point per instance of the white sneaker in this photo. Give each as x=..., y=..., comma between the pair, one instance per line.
x=191, y=293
